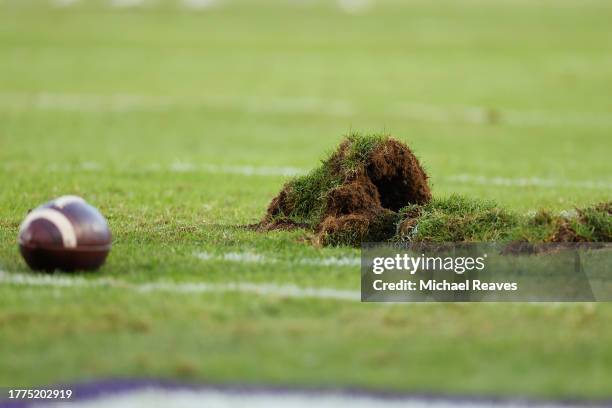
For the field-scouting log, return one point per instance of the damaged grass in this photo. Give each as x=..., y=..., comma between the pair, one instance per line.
x=373, y=188
x=459, y=219
x=456, y=219
x=355, y=194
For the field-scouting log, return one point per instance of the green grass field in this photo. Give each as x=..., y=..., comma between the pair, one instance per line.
x=181, y=125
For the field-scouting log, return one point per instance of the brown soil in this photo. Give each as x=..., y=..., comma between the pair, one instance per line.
x=279, y=224
x=406, y=228
x=279, y=206
x=605, y=206
x=364, y=207
x=565, y=233
x=398, y=176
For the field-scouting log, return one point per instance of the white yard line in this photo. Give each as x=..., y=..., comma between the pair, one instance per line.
x=527, y=181
x=64, y=3
x=200, y=4
x=238, y=257
x=286, y=105
x=287, y=171
x=251, y=257
x=331, y=261
x=126, y=3
x=184, y=167
x=491, y=116
x=81, y=102
x=193, y=5
x=260, y=289
x=355, y=6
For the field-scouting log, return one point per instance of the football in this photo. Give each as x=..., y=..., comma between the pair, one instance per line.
x=66, y=234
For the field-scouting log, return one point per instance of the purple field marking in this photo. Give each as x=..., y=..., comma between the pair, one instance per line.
x=100, y=390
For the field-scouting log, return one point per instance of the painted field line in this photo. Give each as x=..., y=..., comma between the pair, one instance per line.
x=73, y=102
x=125, y=103
x=126, y=3
x=200, y=4
x=64, y=3
x=457, y=178
x=182, y=167
x=477, y=115
x=252, y=257
x=355, y=6
x=300, y=105
x=260, y=289
x=527, y=181
x=188, y=4
x=288, y=171
x=176, y=167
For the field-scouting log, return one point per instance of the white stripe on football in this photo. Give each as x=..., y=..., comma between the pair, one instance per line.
x=61, y=222
x=63, y=201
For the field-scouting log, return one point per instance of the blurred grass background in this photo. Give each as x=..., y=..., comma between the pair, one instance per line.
x=505, y=88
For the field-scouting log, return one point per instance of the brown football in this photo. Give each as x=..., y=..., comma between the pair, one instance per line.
x=66, y=234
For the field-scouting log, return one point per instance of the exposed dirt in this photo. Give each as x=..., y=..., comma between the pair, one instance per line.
x=406, y=228
x=365, y=203
x=279, y=206
x=276, y=225
x=603, y=207
x=398, y=176
x=590, y=219
x=565, y=233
